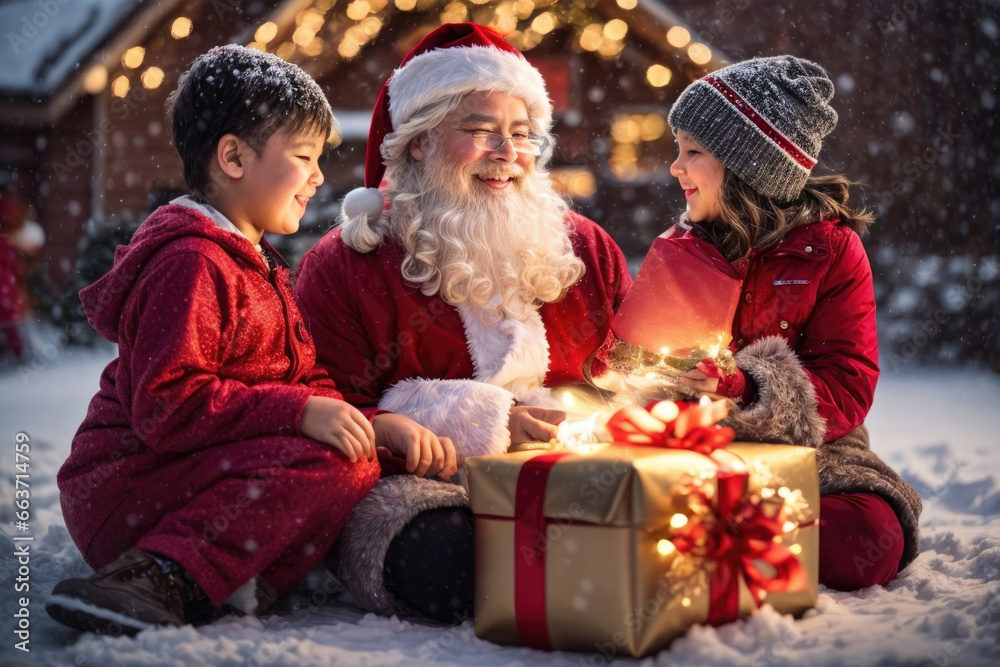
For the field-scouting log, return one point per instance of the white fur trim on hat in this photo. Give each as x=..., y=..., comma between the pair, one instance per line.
x=435, y=74
x=363, y=200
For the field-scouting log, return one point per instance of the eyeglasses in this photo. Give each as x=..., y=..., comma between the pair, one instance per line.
x=492, y=142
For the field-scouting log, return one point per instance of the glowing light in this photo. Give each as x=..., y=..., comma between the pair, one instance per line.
x=181, y=27
x=575, y=182
x=686, y=602
x=120, y=86
x=591, y=37
x=627, y=4
x=665, y=547
x=503, y=19
x=699, y=53
x=314, y=47
x=678, y=37
x=310, y=22
x=260, y=46
x=544, y=23
x=766, y=493
x=348, y=48
x=455, y=12
x=405, y=5
x=370, y=27
x=651, y=128
x=523, y=8
x=132, y=58
x=789, y=526
x=96, y=79
x=303, y=34
x=266, y=32
x=795, y=549
x=530, y=39
x=285, y=51
x=568, y=400
x=658, y=75
x=311, y=18
x=152, y=78
x=610, y=48
x=784, y=491
x=625, y=130
x=678, y=521
x=358, y=9
x=616, y=29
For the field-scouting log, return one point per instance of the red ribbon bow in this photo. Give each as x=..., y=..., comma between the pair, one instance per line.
x=692, y=428
x=741, y=535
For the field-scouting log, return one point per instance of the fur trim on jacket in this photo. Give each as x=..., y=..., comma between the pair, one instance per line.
x=848, y=465
x=786, y=409
x=376, y=520
x=787, y=412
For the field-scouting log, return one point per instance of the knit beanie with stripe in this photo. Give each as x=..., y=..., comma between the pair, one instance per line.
x=764, y=119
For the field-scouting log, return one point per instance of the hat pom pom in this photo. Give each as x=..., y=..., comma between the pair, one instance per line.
x=363, y=200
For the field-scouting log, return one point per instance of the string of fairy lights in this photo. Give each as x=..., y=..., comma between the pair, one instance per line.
x=327, y=27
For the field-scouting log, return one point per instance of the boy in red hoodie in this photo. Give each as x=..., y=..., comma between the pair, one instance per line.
x=216, y=466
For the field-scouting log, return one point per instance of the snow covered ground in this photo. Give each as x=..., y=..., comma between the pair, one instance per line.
x=939, y=428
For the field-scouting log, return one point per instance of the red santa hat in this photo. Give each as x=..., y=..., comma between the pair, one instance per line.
x=454, y=59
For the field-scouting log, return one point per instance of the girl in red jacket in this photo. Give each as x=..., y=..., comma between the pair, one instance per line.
x=216, y=465
x=804, y=332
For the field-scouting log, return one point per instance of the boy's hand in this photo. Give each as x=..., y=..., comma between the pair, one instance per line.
x=532, y=424
x=426, y=454
x=339, y=424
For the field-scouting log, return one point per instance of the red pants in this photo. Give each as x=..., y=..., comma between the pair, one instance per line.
x=860, y=541
x=269, y=506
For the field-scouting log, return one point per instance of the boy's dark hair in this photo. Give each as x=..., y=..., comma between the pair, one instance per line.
x=236, y=90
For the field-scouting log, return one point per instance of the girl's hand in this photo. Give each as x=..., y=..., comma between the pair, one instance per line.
x=339, y=424
x=697, y=379
x=426, y=454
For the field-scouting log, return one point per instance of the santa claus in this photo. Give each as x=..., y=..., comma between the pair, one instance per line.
x=457, y=290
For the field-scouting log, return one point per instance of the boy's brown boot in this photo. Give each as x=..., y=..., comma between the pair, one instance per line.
x=126, y=596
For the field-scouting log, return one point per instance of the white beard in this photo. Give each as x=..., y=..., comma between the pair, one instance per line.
x=502, y=252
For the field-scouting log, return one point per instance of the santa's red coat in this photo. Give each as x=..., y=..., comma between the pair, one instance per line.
x=191, y=448
x=387, y=344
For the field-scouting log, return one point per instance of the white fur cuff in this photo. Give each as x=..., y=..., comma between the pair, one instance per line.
x=473, y=414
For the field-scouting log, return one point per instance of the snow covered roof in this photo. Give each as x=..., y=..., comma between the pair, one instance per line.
x=48, y=41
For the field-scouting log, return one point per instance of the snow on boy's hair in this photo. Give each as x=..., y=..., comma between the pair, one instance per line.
x=236, y=90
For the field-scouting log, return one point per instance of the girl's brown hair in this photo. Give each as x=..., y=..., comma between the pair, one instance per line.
x=750, y=220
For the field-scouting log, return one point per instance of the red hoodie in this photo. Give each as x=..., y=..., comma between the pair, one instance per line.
x=212, y=349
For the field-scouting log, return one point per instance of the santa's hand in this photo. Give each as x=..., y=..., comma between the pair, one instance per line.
x=697, y=379
x=339, y=424
x=426, y=454
x=532, y=424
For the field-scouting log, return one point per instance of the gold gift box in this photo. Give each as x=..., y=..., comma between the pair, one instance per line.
x=608, y=587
